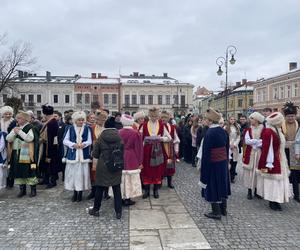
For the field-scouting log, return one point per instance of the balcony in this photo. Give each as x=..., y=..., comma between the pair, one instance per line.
x=29, y=105
x=180, y=106
x=132, y=106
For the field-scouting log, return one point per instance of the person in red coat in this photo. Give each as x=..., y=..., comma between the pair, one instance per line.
x=273, y=170
x=133, y=161
x=154, y=134
x=171, y=148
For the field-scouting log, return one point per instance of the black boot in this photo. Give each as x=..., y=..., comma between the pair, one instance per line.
x=106, y=195
x=170, y=185
x=296, y=192
x=94, y=212
x=79, y=196
x=216, y=212
x=74, y=197
x=128, y=202
x=146, y=191
x=256, y=195
x=223, y=207
x=155, y=191
x=249, y=196
x=32, y=191
x=10, y=182
x=91, y=194
x=22, y=191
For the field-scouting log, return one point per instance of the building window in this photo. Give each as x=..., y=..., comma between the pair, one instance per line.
x=281, y=92
x=4, y=98
x=150, y=99
x=142, y=99
x=39, y=98
x=160, y=99
x=114, y=98
x=134, y=99
x=23, y=98
x=182, y=100
x=275, y=93
x=240, y=103
x=175, y=99
x=106, y=99
x=87, y=98
x=55, y=99
x=30, y=98
x=67, y=98
x=231, y=104
x=288, y=91
x=127, y=100
x=168, y=99
x=95, y=98
x=264, y=95
x=251, y=102
x=295, y=91
x=79, y=98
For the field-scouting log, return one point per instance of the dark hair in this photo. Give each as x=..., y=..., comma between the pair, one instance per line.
x=58, y=113
x=118, y=114
x=110, y=122
x=267, y=110
x=106, y=110
x=243, y=116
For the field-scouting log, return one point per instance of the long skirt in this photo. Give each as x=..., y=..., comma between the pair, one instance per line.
x=77, y=176
x=131, y=184
x=249, y=171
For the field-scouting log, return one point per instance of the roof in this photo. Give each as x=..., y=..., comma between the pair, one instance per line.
x=43, y=79
x=244, y=88
x=89, y=80
x=291, y=72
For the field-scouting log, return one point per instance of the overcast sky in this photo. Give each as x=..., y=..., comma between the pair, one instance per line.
x=183, y=38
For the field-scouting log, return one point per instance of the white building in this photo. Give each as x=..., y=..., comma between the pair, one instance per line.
x=141, y=92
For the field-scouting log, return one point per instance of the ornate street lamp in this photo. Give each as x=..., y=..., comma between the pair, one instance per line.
x=230, y=51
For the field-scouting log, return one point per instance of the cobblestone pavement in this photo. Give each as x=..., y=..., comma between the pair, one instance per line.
x=52, y=221
x=249, y=225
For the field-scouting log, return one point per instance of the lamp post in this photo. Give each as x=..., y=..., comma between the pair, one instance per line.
x=230, y=51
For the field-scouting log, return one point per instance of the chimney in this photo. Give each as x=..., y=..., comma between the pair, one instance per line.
x=238, y=84
x=20, y=74
x=94, y=75
x=165, y=75
x=34, y=74
x=30, y=74
x=48, y=76
x=293, y=65
x=25, y=74
x=244, y=81
x=135, y=74
x=99, y=75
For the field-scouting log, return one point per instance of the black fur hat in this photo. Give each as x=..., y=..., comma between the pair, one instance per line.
x=47, y=110
x=290, y=109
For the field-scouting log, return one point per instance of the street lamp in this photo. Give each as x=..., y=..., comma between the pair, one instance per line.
x=230, y=51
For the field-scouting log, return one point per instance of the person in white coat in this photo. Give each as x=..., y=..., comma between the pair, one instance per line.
x=78, y=140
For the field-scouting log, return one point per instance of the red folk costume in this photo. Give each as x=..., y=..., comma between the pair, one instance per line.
x=154, y=133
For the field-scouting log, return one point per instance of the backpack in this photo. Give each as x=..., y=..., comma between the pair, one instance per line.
x=113, y=158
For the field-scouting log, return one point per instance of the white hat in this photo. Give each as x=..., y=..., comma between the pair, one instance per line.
x=6, y=109
x=78, y=115
x=257, y=116
x=24, y=114
x=275, y=119
x=138, y=115
x=127, y=120
x=30, y=113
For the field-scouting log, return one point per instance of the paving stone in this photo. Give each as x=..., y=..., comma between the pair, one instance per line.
x=181, y=221
x=148, y=219
x=145, y=243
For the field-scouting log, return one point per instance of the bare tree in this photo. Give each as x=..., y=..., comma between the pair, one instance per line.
x=14, y=58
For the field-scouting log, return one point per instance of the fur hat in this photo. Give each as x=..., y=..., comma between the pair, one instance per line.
x=101, y=114
x=257, y=116
x=138, y=115
x=6, y=109
x=275, y=119
x=24, y=114
x=78, y=115
x=289, y=109
x=47, y=110
x=164, y=114
x=127, y=120
x=154, y=111
x=213, y=115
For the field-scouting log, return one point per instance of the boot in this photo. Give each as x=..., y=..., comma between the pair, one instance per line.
x=275, y=206
x=155, y=191
x=249, y=196
x=216, y=212
x=256, y=195
x=170, y=185
x=93, y=212
x=223, y=207
x=296, y=192
x=10, y=182
x=91, y=194
x=146, y=191
x=22, y=191
x=128, y=202
x=32, y=191
x=79, y=196
x=74, y=197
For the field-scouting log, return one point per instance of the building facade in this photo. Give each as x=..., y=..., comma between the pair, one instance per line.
x=139, y=92
x=199, y=97
x=275, y=91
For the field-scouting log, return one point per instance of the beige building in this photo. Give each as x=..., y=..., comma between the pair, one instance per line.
x=140, y=92
x=275, y=91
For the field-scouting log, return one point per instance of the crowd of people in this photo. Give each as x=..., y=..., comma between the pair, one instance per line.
x=99, y=151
